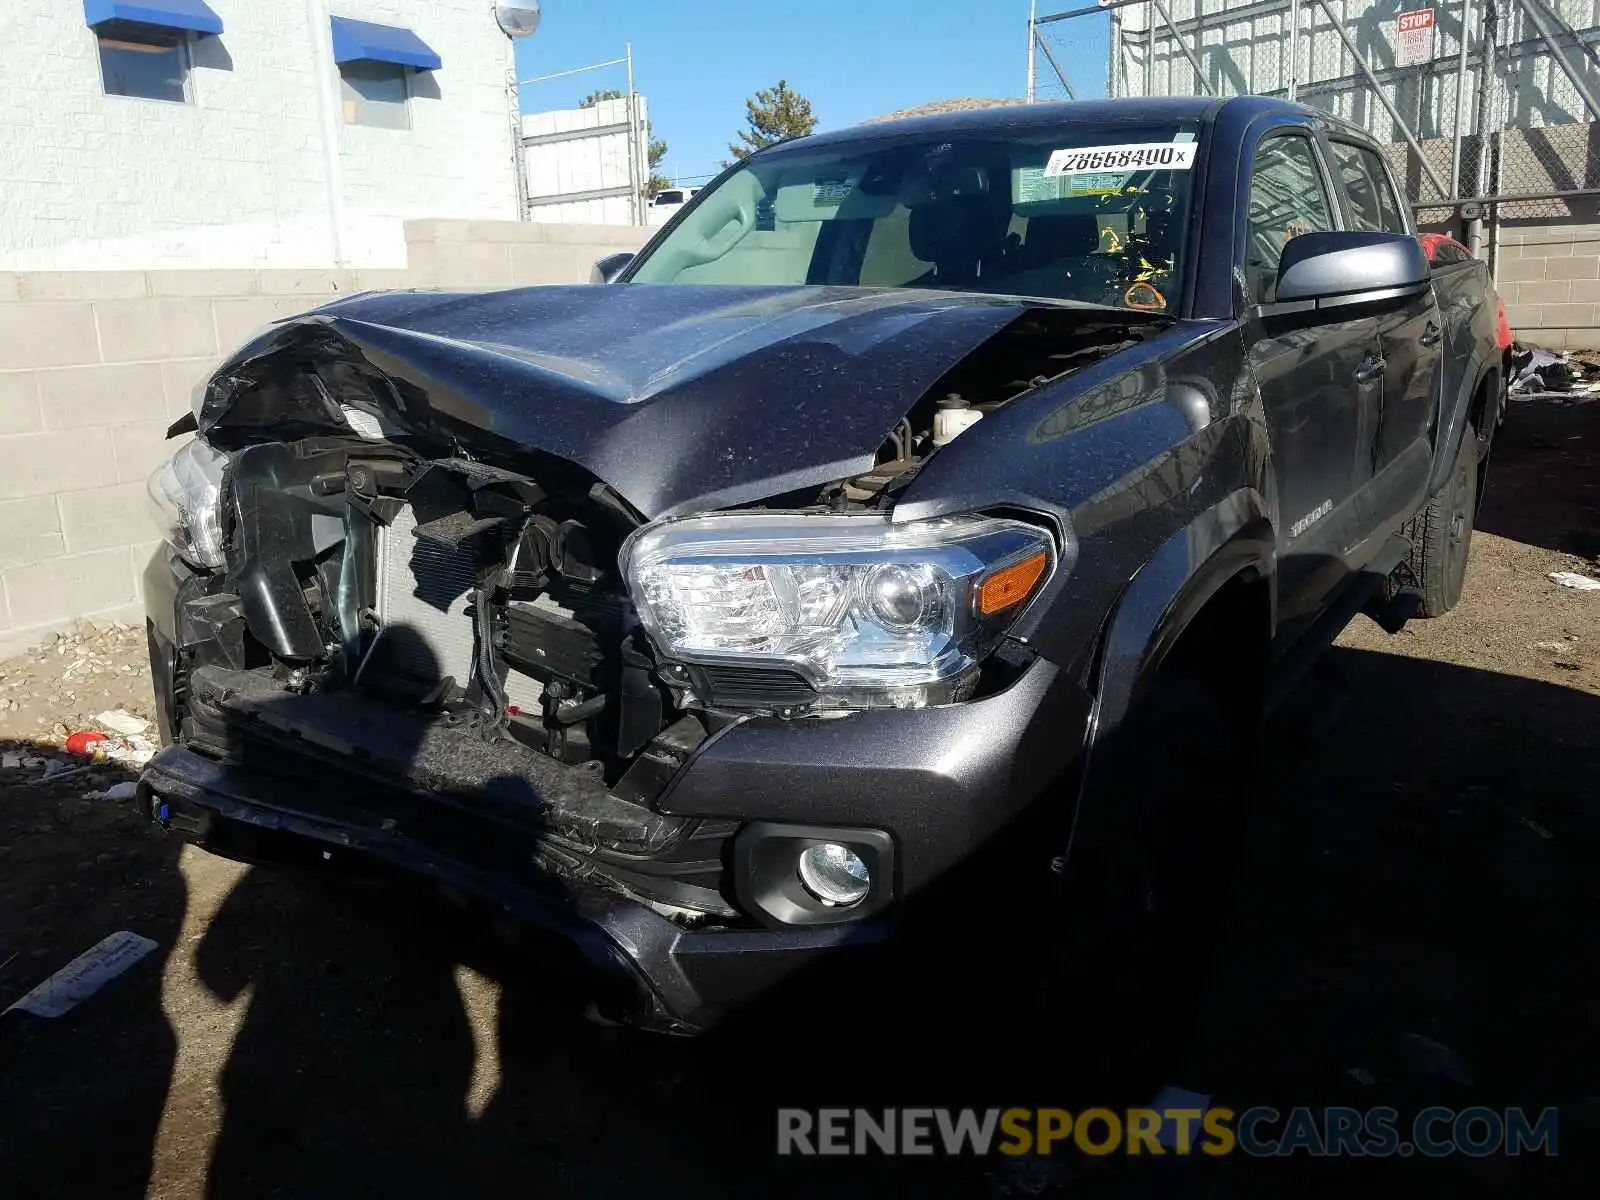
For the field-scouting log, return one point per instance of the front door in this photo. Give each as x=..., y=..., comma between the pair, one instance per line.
x=1320, y=374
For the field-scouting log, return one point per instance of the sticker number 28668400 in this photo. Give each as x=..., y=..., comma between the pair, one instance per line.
x=1141, y=156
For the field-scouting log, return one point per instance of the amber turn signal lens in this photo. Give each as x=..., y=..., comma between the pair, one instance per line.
x=1011, y=585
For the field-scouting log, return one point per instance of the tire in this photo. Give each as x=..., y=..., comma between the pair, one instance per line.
x=1441, y=534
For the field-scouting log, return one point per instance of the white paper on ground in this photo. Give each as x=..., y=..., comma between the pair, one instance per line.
x=85, y=975
x=1571, y=579
x=121, y=722
x=1169, y=1098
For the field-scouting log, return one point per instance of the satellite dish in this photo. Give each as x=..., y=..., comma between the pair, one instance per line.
x=517, y=20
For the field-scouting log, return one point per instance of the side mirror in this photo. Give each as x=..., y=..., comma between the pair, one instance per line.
x=609, y=267
x=1329, y=270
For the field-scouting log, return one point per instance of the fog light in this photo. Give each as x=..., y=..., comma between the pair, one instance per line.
x=834, y=874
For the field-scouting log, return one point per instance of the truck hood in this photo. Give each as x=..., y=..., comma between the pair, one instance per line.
x=679, y=397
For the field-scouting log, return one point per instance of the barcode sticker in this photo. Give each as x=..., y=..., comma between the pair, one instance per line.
x=1141, y=156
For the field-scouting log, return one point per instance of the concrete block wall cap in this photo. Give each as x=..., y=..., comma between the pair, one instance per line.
x=82, y=285
x=209, y=284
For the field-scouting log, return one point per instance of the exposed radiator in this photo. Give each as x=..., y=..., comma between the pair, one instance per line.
x=424, y=591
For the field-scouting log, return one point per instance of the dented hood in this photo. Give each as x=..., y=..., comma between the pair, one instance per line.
x=679, y=397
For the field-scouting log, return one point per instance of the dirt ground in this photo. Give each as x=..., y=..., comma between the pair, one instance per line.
x=1418, y=927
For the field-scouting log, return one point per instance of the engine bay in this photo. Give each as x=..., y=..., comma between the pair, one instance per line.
x=378, y=546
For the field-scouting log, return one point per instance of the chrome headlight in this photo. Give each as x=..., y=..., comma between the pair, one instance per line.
x=869, y=613
x=187, y=493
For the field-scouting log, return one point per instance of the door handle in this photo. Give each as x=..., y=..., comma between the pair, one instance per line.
x=1372, y=368
x=1431, y=335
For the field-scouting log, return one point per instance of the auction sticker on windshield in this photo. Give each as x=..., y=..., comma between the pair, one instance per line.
x=1145, y=156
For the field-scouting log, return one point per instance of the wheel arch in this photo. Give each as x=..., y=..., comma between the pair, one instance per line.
x=1476, y=402
x=1180, y=611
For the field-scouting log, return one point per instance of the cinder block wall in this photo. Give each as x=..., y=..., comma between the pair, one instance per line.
x=95, y=365
x=1549, y=277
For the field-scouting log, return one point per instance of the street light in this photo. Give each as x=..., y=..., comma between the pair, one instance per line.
x=518, y=20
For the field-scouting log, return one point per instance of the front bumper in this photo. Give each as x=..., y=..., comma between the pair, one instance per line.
x=940, y=782
x=655, y=973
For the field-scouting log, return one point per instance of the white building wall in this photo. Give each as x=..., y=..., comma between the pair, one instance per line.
x=584, y=163
x=238, y=177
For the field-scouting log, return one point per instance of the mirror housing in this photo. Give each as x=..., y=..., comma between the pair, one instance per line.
x=1328, y=270
x=609, y=267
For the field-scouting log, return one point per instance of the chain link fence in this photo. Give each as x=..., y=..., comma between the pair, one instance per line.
x=1488, y=102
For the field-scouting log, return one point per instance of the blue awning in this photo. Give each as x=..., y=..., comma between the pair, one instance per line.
x=362, y=41
x=193, y=16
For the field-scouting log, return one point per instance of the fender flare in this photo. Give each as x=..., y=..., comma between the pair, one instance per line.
x=1453, y=421
x=1156, y=607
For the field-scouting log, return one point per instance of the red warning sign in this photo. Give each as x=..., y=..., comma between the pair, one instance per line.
x=1414, y=38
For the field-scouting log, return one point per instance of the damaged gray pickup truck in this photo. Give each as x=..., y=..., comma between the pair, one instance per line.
x=919, y=483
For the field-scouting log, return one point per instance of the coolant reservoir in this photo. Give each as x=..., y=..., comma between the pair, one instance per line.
x=953, y=416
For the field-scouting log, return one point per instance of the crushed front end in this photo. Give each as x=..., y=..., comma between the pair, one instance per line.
x=383, y=631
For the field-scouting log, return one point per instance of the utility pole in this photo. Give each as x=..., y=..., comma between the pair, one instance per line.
x=1486, y=71
x=1294, y=47
x=1033, y=63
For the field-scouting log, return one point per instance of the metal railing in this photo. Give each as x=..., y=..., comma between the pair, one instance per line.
x=1490, y=107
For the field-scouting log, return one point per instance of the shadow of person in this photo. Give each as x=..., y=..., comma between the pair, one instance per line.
x=1424, y=874
x=1396, y=896
x=1540, y=488
x=350, y=1070
x=82, y=1094
x=349, y=1073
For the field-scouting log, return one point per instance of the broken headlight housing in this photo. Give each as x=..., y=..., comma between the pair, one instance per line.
x=868, y=613
x=187, y=493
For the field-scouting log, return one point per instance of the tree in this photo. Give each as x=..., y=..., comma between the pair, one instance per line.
x=656, y=183
x=774, y=114
x=656, y=152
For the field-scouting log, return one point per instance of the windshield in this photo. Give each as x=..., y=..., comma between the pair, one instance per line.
x=1080, y=213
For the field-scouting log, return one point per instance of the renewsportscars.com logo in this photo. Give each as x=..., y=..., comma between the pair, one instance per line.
x=1259, y=1132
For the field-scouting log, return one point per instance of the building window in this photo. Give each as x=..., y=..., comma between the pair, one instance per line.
x=376, y=94
x=153, y=67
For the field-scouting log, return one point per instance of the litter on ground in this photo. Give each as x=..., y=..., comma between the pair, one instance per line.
x=84, y=975
x=1571, y=579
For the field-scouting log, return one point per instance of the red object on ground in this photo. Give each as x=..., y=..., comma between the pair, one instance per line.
x=83, y=742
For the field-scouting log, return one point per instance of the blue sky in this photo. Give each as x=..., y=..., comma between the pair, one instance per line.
x=697, y=62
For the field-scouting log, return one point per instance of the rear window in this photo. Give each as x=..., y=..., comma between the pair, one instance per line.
x=1372, y=206
x=1077, y=213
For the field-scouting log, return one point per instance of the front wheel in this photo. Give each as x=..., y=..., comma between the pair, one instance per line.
x=1441, y=534
x=1148, y=902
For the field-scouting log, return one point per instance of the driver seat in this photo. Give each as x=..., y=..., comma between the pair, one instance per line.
x=960, y=232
